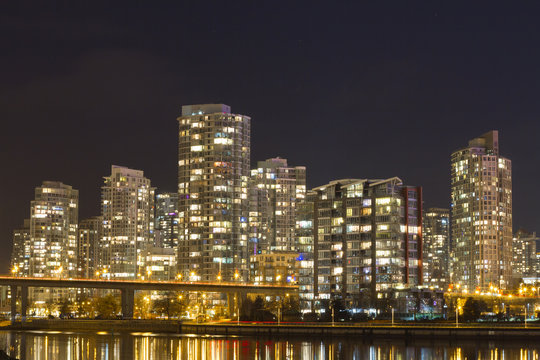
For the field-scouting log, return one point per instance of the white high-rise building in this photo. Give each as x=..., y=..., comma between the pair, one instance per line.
x=53, y=231
x=128, y=223
x=481, y=184
x=213, y=176
x=275, y=190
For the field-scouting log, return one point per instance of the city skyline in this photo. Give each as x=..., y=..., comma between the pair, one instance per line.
x=399, y=103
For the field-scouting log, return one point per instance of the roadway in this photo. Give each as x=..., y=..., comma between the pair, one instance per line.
x=218, y=287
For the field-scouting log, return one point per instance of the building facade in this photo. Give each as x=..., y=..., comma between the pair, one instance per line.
x=88, y=252
x=20, y=256
x=524, y=258
x=275, y=190
x=166, y=222
x=306, y=251
x=277, y=267
x=53, y=231
x=367, y=239
x=213, y=204
x=128, y=223
x=437, y=250
x=481, y=193
x=160, y=264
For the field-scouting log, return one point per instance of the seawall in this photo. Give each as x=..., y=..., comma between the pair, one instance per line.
x=387, y=331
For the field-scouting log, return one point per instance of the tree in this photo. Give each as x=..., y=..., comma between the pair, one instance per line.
x=107, y=306
x=142, y=305
x=85, y=306
x=258, y=310
x=291, y=308
x=472, y=309
x=50, y=306
x=65, y=307
x=170, y=305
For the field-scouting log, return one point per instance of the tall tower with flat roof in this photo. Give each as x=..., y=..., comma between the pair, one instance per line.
x=213, y=176
x=481, y=184
x=128, y=223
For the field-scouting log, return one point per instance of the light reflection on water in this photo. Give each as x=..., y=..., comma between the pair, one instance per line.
x=105, y=345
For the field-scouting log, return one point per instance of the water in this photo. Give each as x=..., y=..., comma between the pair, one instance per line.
x=53, y=345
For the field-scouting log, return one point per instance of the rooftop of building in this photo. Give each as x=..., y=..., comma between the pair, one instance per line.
x=200, y=109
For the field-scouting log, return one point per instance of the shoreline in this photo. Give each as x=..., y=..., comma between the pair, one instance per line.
x=398, y=331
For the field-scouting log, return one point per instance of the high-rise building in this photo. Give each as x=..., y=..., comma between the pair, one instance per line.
x=88, y=248
x=275, y=190
x=481, y=184
x=160, y=264
x=306, y=251
x=166, y=222
x=367, y=239
x=437, y=252
x=20, y=256
x=127, y=201
x=53, y=231
x=524, y=259
x=213, y=176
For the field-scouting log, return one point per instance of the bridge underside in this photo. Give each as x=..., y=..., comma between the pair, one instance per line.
x=235, y=294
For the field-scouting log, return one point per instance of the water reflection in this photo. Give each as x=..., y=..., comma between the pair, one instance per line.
x=105, y=345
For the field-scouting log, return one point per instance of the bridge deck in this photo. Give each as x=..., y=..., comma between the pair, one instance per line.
x=147, y=285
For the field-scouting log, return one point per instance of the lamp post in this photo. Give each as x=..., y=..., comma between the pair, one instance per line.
x=392, y=316
x=457, y=315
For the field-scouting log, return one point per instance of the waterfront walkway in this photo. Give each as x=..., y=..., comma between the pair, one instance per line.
x=504, y=331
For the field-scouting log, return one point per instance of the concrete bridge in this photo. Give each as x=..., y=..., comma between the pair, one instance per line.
x=127, y=289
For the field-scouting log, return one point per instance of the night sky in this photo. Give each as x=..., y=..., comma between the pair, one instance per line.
x=350, y=90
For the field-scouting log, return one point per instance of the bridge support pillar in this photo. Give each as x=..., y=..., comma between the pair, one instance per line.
x=24, y=302
x=128, y=301
x=230, y=304
x=14, y=290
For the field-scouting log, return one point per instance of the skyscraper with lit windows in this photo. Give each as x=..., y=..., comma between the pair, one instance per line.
x=88, y=246
x=481, y=191
x=367, y=239
x=127, y=201
x=275, y=190
x=53, y=231
x=437, y=249
x=20, y=255
x=213, y=204
x=166, y=222
x=524, y=258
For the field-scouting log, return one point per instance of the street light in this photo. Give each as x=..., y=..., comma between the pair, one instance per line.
x=457, y=315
